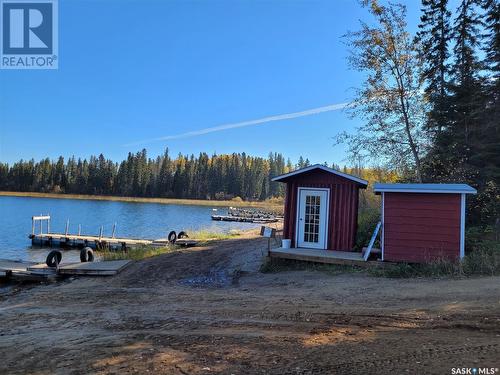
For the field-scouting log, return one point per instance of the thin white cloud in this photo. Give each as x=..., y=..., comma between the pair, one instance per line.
x=286, y=116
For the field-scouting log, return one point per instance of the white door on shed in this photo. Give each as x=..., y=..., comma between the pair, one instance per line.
x=312, y=218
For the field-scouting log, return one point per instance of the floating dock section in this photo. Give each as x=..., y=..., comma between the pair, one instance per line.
x=32, y=271
x=80, y=241
x=243, y=219
x=246, y=216
x=42, y=236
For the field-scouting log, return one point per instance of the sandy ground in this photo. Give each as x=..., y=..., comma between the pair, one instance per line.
x=209, y=310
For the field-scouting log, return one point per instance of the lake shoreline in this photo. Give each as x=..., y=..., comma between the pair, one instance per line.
x=95, y=216
x=271, y=205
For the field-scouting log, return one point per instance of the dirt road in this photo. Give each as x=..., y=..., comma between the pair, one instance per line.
x=209, y=310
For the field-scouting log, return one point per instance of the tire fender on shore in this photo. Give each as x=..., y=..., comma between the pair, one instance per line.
x=54, y=258
x=172, y=237
x=86, y=255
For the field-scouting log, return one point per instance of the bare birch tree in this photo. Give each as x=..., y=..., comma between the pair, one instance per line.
x=390, y=100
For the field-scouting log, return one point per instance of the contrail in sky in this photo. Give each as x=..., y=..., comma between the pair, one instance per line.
x=286, y=116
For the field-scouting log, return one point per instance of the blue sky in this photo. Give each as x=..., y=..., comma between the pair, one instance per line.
x=139, y=70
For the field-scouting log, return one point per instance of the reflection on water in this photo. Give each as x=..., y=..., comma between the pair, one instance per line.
x=137, y=220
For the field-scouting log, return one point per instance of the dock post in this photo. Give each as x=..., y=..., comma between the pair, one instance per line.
x=67, y=228
x=32, y=226
x=100, y=233
x=113, y=233
x=79, y=229
x=48, y=224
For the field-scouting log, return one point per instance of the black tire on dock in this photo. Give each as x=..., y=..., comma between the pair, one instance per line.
x=54, y=258
x=86, y=255
x=172, y=236
x=182, y=234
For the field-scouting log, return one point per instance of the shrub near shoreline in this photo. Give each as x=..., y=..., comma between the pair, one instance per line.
x=142, y=252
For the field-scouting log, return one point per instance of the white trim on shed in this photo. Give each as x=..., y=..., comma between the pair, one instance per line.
x=424, y=188
x=322, y=167
x=462, y=225
x=327, y=215
x=382, y=235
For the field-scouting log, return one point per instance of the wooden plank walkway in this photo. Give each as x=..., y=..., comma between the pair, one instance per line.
x=323, y=256
x=14, y=265
x=106, y=268
x=21, y=270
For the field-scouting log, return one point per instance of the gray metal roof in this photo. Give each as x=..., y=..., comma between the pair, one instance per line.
x=326, y=169
x=424, y=188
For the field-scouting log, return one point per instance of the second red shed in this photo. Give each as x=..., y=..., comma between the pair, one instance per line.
x=423, y=222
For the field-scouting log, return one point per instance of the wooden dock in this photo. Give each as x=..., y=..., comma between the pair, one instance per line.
x=104, y=268
x=32, y=271
x=80, y=241
x=102, y=243
x=243, y=219
x=107, y=268
x=16, y=268
x=41, y=235
x=242, y=215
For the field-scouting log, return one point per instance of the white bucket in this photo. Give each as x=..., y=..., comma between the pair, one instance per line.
x=285, y=244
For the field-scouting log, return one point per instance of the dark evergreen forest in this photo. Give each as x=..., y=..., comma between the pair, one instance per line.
x=462, y=90
x=202, y=177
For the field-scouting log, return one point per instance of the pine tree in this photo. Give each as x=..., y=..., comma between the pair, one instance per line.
x=491, y=130
x=301, y=163
x=434, y=37
x=59, y=175
x=461, y=138
x=487, y=155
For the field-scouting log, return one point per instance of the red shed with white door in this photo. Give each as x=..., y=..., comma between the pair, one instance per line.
x=321, y=208
x=423, y=222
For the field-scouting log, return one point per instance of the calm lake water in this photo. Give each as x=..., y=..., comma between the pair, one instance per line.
x=137, y=220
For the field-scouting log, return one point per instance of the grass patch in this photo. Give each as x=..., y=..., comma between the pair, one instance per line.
x=137, y=253
x=483, y=259
x=276, y=265
x=478, y=263
x=143, y=252
x=206, y=235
